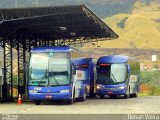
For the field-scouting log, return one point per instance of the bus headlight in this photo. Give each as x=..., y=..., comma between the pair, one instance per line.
x=99, y=87
x=64, y=91
x=33, y=91
x=121, y=87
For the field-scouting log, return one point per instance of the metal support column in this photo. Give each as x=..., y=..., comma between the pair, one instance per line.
x=4, y=86
x=24, y=68
x=8, y=71
x=21, y=47
x=11, y=66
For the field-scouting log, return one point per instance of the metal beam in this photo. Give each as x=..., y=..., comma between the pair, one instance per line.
x=11, y=66
x=8, y=69
x=21, y=47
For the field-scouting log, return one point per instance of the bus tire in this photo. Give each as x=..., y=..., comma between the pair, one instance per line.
x=101, y=96
x=82, y=99
x=113, y=96
x=70, y=101
x=135, y=94
x=92, y=95
x=37, y=102
x=126, y=96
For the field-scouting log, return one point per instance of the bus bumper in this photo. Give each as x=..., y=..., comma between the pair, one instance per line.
x=50, y=96
x=108, y=92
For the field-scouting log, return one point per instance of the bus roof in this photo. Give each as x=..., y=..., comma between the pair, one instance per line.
x=52, y=49
x=113, y=59
x=81, y=61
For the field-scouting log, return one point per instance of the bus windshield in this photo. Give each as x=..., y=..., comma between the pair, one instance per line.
x=51, y=69
x=111, y=74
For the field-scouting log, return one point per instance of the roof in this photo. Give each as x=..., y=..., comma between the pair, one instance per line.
x=55, y=49
x=113, y=59
x=81, y=61
x=53, y=23
x=52, y=49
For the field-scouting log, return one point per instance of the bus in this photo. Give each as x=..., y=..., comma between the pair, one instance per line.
x=117, y=75
x=59, y=73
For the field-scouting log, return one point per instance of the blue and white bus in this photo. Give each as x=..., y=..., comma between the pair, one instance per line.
x=117, y=75
x=59, y=73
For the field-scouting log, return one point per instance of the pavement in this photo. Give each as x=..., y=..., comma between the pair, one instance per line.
x=139, y=105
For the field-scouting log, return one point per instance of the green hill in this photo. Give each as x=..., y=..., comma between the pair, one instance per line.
x=140, y=29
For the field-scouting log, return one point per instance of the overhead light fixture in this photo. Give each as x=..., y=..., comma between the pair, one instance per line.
x=63, y=28
x=82, y=38
x=72, y=33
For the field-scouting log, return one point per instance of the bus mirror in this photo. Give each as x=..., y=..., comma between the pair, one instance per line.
x=128, y=68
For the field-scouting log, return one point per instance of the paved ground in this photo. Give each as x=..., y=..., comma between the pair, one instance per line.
x=140, y=105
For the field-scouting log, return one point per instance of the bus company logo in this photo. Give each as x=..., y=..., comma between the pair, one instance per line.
x=79, y=75
x=49, y=91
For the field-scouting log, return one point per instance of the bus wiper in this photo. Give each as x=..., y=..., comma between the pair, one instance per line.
x=114, y=78
x=45, y=76
x=65, y=73
x=52, y=75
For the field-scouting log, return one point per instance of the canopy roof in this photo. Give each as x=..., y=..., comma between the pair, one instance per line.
x=52, y=23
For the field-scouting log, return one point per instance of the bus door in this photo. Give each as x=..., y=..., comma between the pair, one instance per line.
x=133, y=83
x=80, y=78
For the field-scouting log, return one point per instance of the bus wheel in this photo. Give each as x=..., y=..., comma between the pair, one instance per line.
x=128, y=94
x=37, y=102
x=70, y=101
x=82, y=99
x=113, y=96
x=135, y=94
x=101, y=96
x=92, y=95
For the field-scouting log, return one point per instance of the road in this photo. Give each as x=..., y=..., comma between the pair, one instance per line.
x=140, y=105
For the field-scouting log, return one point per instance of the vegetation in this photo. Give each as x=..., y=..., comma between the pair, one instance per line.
x=140, y=30
x=150, y=82
x=121, y=23
x=151, y=78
